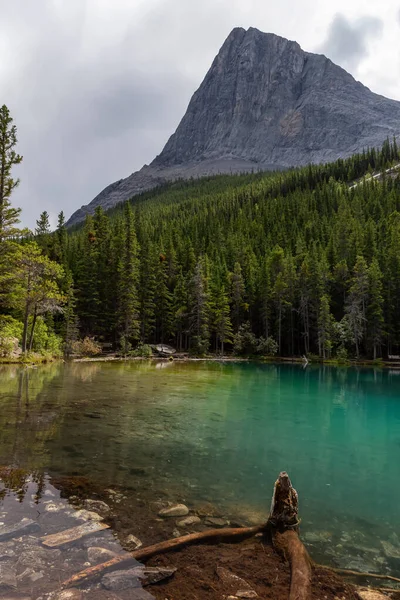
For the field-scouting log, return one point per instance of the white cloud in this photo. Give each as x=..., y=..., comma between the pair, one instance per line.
x=97, y=86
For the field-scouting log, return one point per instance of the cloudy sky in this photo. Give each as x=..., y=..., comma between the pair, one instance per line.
x=97, y=86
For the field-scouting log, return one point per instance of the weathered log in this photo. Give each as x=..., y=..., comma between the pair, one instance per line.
x=212, y=535
x=70, y=535
x=283, y=524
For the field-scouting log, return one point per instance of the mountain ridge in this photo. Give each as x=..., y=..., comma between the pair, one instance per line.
x=264, y=104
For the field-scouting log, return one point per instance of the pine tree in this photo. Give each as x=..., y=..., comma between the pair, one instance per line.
x=220, y=317
x=163, y=302
x=180, y=310
x=147, y=291
x=70, y=329
x=325, y=326
x=375, y=308
x=237, y=295
x=128, y=282
x=356, y=304
x=199, y=308
x=42, y=232
x=9, y=216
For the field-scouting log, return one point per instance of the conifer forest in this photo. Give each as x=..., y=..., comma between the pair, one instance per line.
x=301, y=262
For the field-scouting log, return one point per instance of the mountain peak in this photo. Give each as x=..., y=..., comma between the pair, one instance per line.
x=264, y=103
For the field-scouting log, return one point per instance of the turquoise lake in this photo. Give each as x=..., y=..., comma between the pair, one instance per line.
x=222, y=432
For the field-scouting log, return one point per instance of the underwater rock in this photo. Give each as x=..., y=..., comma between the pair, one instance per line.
x=97, y=506
x=8, y=576
x=207, y=510
x=390, y=550
x=188, y=521
x=87, y=515
x=368, y=594
x=68, y=595
x=121, y=580
x=177, y=510
x=97, y=554
x=23, y=527
x=216, y=522
x=313, y=537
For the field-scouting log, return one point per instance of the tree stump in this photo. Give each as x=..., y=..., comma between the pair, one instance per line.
x=283, y=524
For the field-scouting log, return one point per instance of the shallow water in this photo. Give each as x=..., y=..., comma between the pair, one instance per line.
x=221, y=433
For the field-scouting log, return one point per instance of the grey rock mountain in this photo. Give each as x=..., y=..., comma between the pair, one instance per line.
x=264, y=104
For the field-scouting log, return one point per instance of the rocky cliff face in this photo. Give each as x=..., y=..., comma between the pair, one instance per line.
x=264, y=103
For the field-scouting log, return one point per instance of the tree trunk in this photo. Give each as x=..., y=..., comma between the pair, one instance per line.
x=32, y=330
x=25, y=331
x=283, y=523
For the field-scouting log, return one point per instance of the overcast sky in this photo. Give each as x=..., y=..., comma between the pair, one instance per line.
x=97, y=86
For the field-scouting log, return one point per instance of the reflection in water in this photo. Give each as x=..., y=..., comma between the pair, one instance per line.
x=221, y=433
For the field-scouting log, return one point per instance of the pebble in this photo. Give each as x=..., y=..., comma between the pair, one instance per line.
x=188, y=521
x=97, y=554
x=216, y=522
x=87, y=515
x=177, y=510
x=68, y=595
x=97, y=506
x=132, y=540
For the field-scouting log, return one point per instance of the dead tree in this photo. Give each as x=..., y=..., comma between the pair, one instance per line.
x=283, y=525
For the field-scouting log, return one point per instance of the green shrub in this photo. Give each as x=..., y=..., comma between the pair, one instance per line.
x=143, y=351
x=267, y=347
x=86, y=347
x=245, y=342
x=10, y=336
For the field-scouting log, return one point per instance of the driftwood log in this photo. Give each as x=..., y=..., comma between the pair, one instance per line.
x=212, y=535
x=283, y=524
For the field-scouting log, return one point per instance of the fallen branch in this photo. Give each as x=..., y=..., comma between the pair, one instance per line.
x=212, y=535
x=283, y=524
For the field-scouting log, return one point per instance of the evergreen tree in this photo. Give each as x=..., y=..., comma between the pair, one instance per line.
x=42, y=232
x=199, y=308
x=128, y=282
x=374, y=315
x=9, y=216
x=325, y=327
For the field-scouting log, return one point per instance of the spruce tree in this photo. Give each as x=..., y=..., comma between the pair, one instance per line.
x=375, y=308
x=9, y=216
x=128, y=309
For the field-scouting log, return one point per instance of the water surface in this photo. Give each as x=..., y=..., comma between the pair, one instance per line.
x=222, y=433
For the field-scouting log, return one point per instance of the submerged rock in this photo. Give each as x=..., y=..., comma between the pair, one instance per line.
x=68, y=595
x=8, y=576
x=390, y=550
x=98, y=507
x=313, y=537
x=188, y=521
x=121, y=580
x=177, y=510
x=216, y=522
x=87, y=515
x=97, y=554
x=368, y=594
